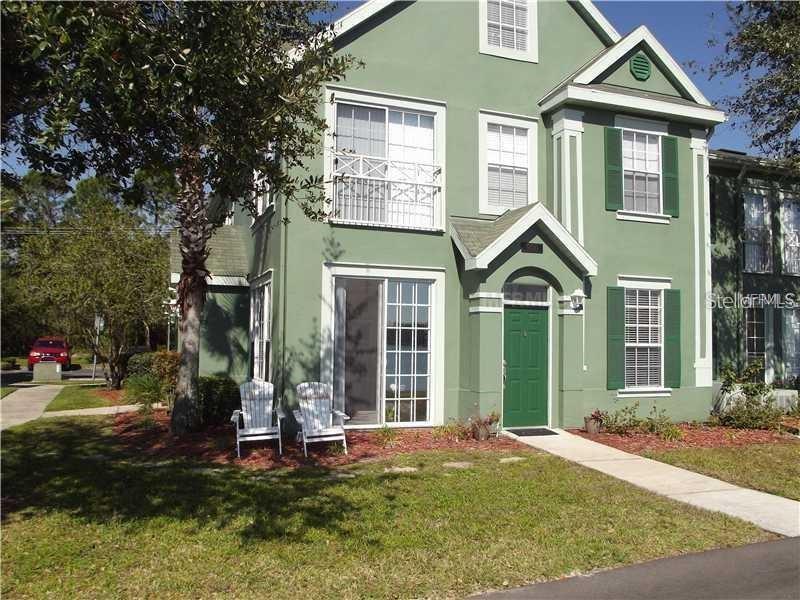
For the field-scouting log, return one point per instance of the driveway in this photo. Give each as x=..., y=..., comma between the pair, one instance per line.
x=766, y=571
x=26, y=404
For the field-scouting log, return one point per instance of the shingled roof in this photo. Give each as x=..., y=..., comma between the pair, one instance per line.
x=228, y=256
x=477, y=234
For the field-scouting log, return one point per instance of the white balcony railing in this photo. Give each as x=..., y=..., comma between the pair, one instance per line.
x=376, y=191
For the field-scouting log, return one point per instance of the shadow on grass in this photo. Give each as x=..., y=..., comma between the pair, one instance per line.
x=77, y=466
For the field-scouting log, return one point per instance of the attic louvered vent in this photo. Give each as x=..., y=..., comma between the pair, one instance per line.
x=640, y=67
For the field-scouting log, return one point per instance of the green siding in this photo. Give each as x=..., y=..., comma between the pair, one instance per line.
x=672, y=338
x=615, y=347
x=669, y=175
x=613, y=158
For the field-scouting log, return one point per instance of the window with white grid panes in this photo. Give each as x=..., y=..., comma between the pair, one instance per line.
x=641, y=163
x=408, y=353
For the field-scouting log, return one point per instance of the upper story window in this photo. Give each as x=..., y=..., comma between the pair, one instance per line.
x=508, y=29
x=386, y=163
x=641, y=179
x=757, y=233
x=755, y=335
x=507, y=162
x=790, y=221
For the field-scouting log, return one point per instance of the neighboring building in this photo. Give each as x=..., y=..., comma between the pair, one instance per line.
x=520, y=224
x=755, y=225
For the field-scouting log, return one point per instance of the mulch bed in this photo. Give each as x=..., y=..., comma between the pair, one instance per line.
x=218, y=445
x=694, y=436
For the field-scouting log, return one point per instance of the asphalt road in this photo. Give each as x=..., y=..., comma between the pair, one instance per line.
x=766, y=571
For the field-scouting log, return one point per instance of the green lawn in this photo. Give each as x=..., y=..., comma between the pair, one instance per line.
x=6, y=390
x=86, y=516
x=75, y=396
x=773, y=468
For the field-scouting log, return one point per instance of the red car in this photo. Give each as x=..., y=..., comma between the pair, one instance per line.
x=50, y=349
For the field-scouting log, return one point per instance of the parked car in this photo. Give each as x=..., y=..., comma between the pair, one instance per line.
x=50, y=349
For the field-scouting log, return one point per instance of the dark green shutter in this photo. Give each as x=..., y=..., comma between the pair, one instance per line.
x=615, y=347
x=669, y=174
x=672, y=338
x=613, y=168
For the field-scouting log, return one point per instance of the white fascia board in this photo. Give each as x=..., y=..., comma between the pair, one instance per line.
x=563, y=238
x=637, y=36
x=469, y=260
x=588, y=8
x=622, y=101
x=358, y=15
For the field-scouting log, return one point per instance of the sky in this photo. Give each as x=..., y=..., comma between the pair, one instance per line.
x=684, y=29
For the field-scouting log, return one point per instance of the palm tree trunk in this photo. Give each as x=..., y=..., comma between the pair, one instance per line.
x=195, y=232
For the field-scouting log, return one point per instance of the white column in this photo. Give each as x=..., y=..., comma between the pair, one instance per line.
x=568, y=127
x=701, y=217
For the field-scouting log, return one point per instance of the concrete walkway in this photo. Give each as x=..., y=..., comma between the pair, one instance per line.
x=87, y=412
x=26, y=404
x=770, y=512
x=753, y=572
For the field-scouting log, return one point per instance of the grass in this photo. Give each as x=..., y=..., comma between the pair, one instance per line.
x=79, y=396
x=86, y=516
x=773, y=468
x=6, y=390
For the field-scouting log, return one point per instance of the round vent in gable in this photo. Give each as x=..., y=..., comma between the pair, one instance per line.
x=640, y=67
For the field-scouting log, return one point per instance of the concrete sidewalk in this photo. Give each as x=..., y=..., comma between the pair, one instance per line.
x=26, y=404
x=770, y=512
x=752, y=572
x=87, y=412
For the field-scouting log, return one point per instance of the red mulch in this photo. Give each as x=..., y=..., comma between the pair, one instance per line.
x=218, y=445
x=113, y=397
x=694, y=436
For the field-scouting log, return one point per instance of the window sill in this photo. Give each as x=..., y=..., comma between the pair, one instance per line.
x=645, y=393
x=362, y=224
x=630, y=215
x=524, y=56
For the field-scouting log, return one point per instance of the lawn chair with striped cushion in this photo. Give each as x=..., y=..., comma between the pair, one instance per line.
x=318, y=420
x=259, y=418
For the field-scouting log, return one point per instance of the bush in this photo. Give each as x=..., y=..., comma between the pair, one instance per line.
x=218, y=398
x=746, y=400
x=386, y=436
x=482, y=427
x=10, y=364
x=454, y=431
x=141, y=364
x=165, y=366
x=623, y=420
x=659, y=423
x=145, y=389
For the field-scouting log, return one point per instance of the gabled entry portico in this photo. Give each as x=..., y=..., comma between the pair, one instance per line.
x=520, y=271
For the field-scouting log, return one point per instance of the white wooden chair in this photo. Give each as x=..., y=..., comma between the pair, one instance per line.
x=255, y=420
x=318, y=420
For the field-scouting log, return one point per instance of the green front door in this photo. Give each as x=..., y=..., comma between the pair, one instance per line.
x=525, y=355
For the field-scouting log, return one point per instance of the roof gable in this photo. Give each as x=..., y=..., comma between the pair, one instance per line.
x=480, y=241
x=658, y=81
x=640, y=39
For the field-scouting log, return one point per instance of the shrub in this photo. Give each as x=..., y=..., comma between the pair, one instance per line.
x=453, y=431
x=145, y=389
x=217, y=399
x=794, y=409
x=141, y=364
x=386, y=436
x=659, y=423
x=10, y=364
x=623, y=420
x=165, y=366
x=746, y=400
x=482, y=427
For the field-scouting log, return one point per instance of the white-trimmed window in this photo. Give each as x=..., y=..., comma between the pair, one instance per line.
x=757, y=233
x=508, y=29
x=260, y=329
x=385, y=157
x=508, y=163
x=791, y=341
x=644, y=338
x=790, y=222
x=755, y=329
x=641, y=178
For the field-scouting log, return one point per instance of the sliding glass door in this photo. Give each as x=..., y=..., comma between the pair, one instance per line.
x=382, y=353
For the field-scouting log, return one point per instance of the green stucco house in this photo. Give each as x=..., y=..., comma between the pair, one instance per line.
x=755, y=257
x=520, y=223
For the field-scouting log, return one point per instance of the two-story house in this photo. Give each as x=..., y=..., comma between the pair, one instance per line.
x=520, y=223
x=756, y=265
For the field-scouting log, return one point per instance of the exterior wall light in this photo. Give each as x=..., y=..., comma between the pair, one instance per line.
x=576, y=299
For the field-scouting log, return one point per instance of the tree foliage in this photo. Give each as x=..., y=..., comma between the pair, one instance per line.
x=762, y=46
x=210, y=91
x=100, y=261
